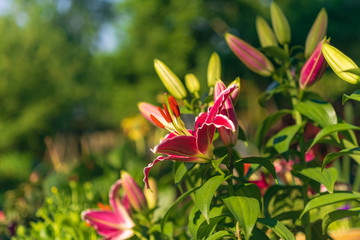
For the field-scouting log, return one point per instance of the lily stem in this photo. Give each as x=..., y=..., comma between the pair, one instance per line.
x=231, y=169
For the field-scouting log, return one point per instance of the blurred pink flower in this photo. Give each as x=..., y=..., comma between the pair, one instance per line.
x=114, y=223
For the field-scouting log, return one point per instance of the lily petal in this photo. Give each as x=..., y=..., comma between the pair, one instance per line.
x=118, y=208
x=147, y=109
x=178, y=145
x=107, y=224
x=171, y=157
x=132, y=191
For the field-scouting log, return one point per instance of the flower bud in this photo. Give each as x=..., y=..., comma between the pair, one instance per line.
x=192, y=83
x=228, y=137
x=313, y=68
x=171, y=82
x=214, y=69
x=132, y=192
x=280, y=24
x=251, y=57
x=265, y=33
x=317, y=32
x=235, y=95
x=340, y=63
x=151, y=194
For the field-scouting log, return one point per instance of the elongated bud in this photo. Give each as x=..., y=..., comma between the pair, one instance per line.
x=171, y=82
x=340, y=63
x=265, y=33
x=214, y=69
x=132, y=191
x=251, y=57
x=151, y=194
x=317, y=32
x=192, y=83
x=280, y=24
x=313, y=68
x=235, y=95
x=228, y=137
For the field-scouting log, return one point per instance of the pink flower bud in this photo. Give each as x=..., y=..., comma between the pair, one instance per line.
x=313, y=68
x=132, y=191
x=250, y=56
x=228, y=137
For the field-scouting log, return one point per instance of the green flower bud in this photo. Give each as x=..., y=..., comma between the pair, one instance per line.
x=340, y=63
x=280, y=24
x=171, y=82
x=192, y=83
x=265, y=33
x=214, y=69
x=317, y=32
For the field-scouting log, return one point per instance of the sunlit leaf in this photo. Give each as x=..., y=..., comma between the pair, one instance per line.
x=280, y=229
x=205, y=194
x=282, y=139
x=245, y=210
x=354, y=96
x=337, y=215
x=327, y=199
x=173, y=206
x=332, y=156
x=326, y=176
x=332, y=129
x=319, y=111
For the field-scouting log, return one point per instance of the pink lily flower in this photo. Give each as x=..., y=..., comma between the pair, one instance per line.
x=134, y=195
x=114, y=224
x=228, y=136
x=187, y=145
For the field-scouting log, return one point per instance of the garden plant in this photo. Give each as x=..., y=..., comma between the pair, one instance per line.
x=298, y=176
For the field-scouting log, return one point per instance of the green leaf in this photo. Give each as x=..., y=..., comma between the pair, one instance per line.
x=245, y=210
x=267, y=124
x=327, y=199
x=280, y=229
x=337, y=215
x=319, y=111
x=288, y=215
x=354, y=96
x=206, y=229
x=249, y=190
x=257, y=234
x=205, y=194
x=219, y=235
x=276, y=52
x=242, y=135
x=332, y=129
x=173, y=206
x=332, y=156
x=282, y=139
x=272, y=191
x=261, y=161
x=327, y=177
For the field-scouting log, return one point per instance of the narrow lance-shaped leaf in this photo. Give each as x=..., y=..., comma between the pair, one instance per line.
x=332, y=129
x=332, y=156
x=337, y=215
x=279, y=228
x=327, y=199
x=205, y=194
x=354, y=96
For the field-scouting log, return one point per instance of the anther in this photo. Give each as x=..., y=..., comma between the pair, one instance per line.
x=164, y=115
x=167, y=112
x=174, y=106
x=156, y=121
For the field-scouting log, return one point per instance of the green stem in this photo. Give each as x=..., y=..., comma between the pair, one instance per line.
x=231, y=169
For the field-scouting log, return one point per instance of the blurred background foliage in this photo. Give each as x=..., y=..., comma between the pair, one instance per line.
x=71, y=71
